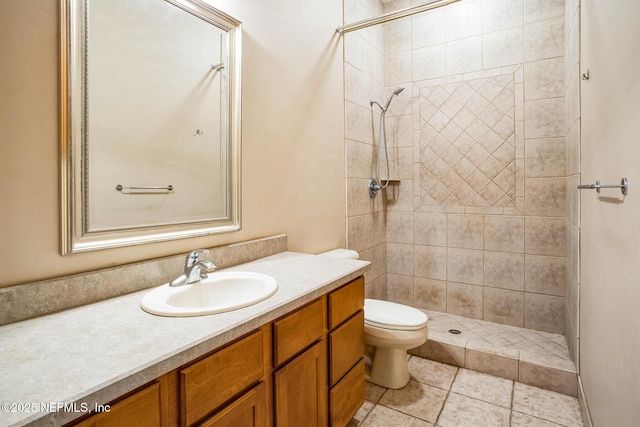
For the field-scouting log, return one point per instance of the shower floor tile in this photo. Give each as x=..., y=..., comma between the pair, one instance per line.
x=533, y=357
x=481, y=333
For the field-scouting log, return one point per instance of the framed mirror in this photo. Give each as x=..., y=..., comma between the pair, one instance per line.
x=150, y=122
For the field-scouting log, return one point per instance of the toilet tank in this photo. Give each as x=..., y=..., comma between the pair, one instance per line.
x=341, y=253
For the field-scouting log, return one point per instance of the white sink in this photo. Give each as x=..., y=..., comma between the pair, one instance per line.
x=218, y=293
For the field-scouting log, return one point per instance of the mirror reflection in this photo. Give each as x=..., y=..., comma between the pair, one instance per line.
x=154, y=116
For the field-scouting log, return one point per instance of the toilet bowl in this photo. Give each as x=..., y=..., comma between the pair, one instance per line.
x=392, y=329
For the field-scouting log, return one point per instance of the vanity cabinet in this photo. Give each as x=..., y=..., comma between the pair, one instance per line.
x=304, y=369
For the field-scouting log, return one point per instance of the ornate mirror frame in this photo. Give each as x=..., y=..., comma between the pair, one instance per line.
x=75, y=233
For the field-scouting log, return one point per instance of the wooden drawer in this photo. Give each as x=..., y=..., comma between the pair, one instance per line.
x=141, y=408
x=346, y=347
x=344, y=302
x=249, y=410
x=212, y=381
x=297, y=331
x=346, y=397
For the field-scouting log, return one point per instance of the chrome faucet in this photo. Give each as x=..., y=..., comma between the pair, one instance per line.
x=193, y=267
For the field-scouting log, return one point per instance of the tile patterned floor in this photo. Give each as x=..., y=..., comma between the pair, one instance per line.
x=440, y=395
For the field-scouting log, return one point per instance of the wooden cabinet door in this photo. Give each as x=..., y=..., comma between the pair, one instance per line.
x=301, y=391
x=249, y=410
x=347, y=396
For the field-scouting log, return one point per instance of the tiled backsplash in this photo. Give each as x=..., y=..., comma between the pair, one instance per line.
x=30, y=300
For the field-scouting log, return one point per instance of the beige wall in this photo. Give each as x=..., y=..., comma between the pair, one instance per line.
x=490, y=245
x=610, y=231
x=293, y=136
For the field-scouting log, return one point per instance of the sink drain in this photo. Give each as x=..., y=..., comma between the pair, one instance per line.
x=455, y=331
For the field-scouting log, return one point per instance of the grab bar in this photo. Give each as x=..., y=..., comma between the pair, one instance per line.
x=623, y=186
x=167, y=187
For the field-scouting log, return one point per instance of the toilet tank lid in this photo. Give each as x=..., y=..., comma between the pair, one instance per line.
x=341, y=253
x=391, y=314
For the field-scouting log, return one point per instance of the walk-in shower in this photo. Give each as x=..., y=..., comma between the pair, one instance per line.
x=375, y=184
x=473, y=227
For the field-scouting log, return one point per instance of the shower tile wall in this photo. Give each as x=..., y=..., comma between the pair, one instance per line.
x=364, y=75
x=466, y=144
x=476, y=226
x=572, y=126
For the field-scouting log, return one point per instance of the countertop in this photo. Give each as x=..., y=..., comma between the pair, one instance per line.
x=95, y=353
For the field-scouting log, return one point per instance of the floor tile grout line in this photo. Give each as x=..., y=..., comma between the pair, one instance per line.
x=513, y=394
x=368, y=414
x=400, y=412
x=541, y=419
x=444, y=402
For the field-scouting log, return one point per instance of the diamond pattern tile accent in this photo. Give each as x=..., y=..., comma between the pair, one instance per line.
x=467, y=148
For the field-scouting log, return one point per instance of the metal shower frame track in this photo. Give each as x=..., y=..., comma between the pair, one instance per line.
x=402, y=13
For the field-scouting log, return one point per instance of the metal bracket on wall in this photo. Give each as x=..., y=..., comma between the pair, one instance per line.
x=623, y=186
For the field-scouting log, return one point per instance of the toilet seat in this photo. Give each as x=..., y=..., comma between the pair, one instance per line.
x=389, y=315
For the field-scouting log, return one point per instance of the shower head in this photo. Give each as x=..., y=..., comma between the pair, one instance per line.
x=395, y=92
x=384, y=108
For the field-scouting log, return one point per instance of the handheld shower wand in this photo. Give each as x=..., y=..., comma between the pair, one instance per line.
x=395, y=93
x=386, y=106
x=375, y=184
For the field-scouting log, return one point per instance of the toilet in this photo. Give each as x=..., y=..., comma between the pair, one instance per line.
x=392, y=329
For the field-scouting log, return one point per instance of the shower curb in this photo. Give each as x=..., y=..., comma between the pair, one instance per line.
x=548, y=372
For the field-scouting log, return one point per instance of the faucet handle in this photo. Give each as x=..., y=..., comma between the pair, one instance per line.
x=194, y=257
